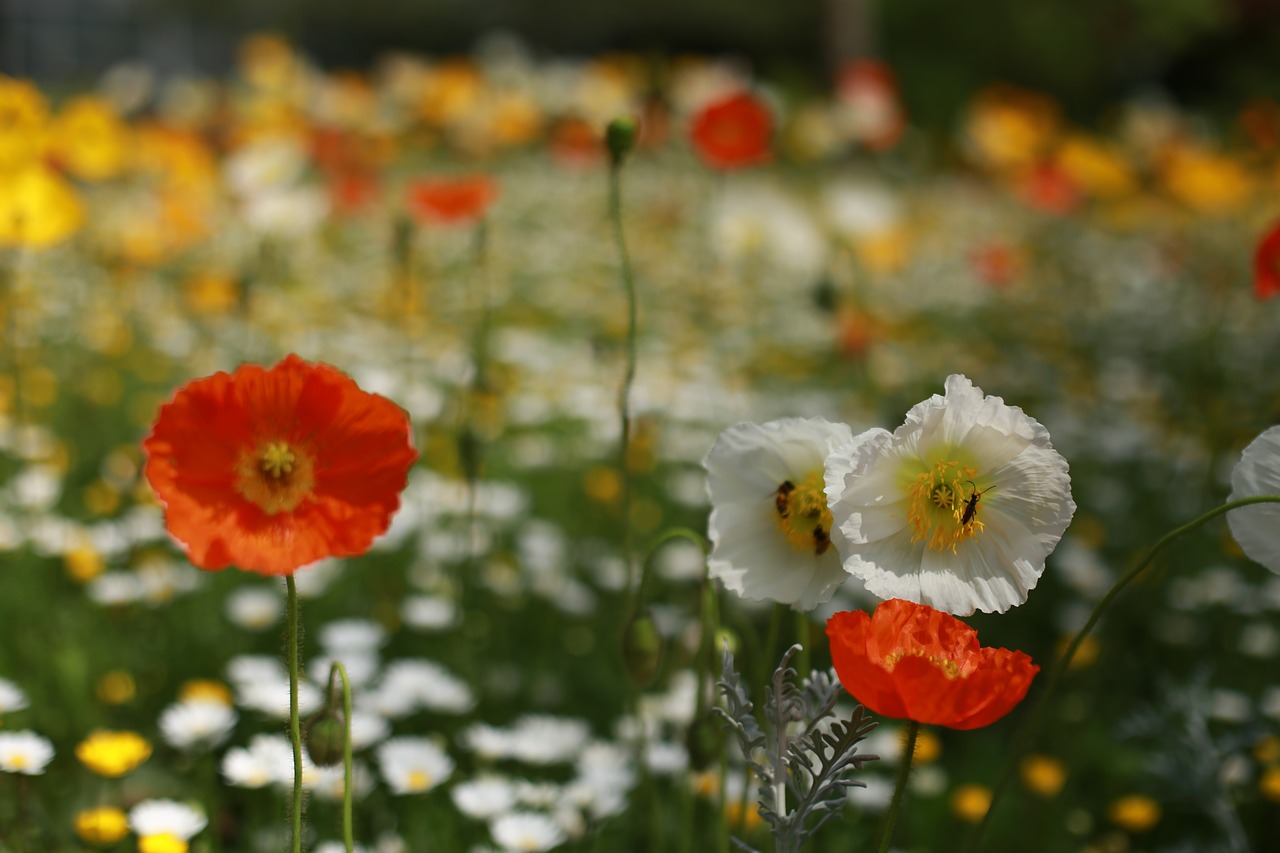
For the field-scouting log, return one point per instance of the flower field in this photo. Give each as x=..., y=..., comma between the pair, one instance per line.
x=528, y=390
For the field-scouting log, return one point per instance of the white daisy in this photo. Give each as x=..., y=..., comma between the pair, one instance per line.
x=413, y=765
x=957, y=508
x=24, y=752
x=11, y=697
x=770, y=528
x=1258, y=473
x=166, y=817
x=484, y=797
x=526, y=832
x=200, y=723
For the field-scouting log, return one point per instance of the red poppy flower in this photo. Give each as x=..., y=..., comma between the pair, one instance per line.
x=451, y=201
x=272, y=469
x=733, y=133
x=912, y=662
x=1266, y=265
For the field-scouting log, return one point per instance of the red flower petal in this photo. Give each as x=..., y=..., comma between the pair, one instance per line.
x=451, y=201
x=1266, y=265
x=733, y=133
x=349, y=458
x=909, y=661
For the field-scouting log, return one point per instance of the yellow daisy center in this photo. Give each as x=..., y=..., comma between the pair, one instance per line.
x=800, y=509
x=277, y=476
x=418, y=781
x=943, y=505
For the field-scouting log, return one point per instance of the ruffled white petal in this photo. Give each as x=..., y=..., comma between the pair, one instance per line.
x=744, y=469
x=1256, y=528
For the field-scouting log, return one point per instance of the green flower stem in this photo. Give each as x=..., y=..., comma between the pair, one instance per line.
x=1033, y=720
x=900, y=785
x=295, y=728
x=624, y=394
x=348, y=831
x=804, y=660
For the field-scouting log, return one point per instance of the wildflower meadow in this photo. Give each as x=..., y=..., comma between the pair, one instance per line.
x=500, y=452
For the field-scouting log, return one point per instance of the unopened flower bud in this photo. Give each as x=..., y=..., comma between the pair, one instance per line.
x=642, y=648
x=325, y=736
x=620, y=138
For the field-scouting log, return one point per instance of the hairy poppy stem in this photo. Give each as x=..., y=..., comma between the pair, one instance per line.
x=900, y=785
x=1032, y=724
x=295, y=727
x=624, y=394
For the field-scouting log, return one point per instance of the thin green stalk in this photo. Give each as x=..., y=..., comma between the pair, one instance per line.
x=295, y=727
x=624, y=394
x=1032, y=724
x=348, y=795
x=803, y=657
x=900, y=786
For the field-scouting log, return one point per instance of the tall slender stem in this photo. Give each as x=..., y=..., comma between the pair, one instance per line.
x=900, y=786
x=1032, y=724
x=624, y=394
x=295, y=727
x=336, y=669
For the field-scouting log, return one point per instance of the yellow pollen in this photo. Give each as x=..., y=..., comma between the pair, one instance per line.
x=418, y=781
x=937, y=503
x=949, y=668
x=800, y=511
x=277, y=460
x=17, y=762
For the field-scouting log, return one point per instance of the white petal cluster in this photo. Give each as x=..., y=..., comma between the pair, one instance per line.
x=24, y=752
x=1256, y=528
x=166, y=817
x=413, y=765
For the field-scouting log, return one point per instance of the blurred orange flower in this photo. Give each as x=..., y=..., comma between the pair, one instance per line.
x=273, y=469
x=1266, y=264
x=733, y=133
x=909, y=661
x=451, y=201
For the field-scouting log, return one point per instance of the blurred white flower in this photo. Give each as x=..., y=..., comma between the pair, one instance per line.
x=166, y=817
x=1256, y=528
x=770, y=528
x=413, y=765
x=527, y=832
x=428, y=612
x=24, y=752
x=957, y=508
x=352, y=635
x=484, y=797
x=268, y=759
x=410, y=685
x=11, y=697
x=254, y=608
x=199, y=723
x=542, y=739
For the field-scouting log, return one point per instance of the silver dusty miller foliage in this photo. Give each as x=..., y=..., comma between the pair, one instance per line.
x=798, y=759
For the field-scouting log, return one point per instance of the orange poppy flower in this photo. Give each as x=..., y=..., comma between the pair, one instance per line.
x=451, y=201
x=1266, y=265
x=733, y=133
x=272, y=469
x=909, y=661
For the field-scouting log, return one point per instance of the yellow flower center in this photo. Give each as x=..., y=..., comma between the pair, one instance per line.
x=277, y=476
x=418, y=781
x=944, y=504
x=802, y=515
x=949, y=668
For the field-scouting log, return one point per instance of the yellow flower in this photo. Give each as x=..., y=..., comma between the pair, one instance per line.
x=1134, y=813
x=84, y=563
x=37, y=208
x=928, y=746
x=1206, y=181
x=90, y=139
x=1267, y=750
x=1043, y=774
x=267, y=61
x=1097, y=167
x=103, y=825
x=970, y=802
x=162, y=843
x=24, y=116
x=1269, y=784
x=1008, y=129
x=116, y=687
x=113, y=753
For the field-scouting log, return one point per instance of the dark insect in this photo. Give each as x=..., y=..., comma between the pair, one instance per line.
x=782, y=497
x=821, y=541
x=971, y=503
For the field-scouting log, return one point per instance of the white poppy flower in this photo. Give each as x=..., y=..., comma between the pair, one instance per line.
x=770, y=528
x=957, y=509
x=1258, y=473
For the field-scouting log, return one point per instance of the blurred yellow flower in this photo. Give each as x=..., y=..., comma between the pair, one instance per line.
x=970, y=802
x=602, y=484
x=1269, y=784
x=90, y=140
x=884, y=251
x=37, y=208
x=1043, y=774
x=212, y=293
x=162, y=843
x=84, y=563
x=103, y=825
x=1134, y=813
x=24, y=116
x=116, y=688
x=1086, y=653
x=113, y=753
x=1205, y=181
x=1008, y=129
x=100, y=498
x=1100, y=169
x=205, y=690
x=450, y=90
x=928, y=746
x=1267, y=750
x=267, y=61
